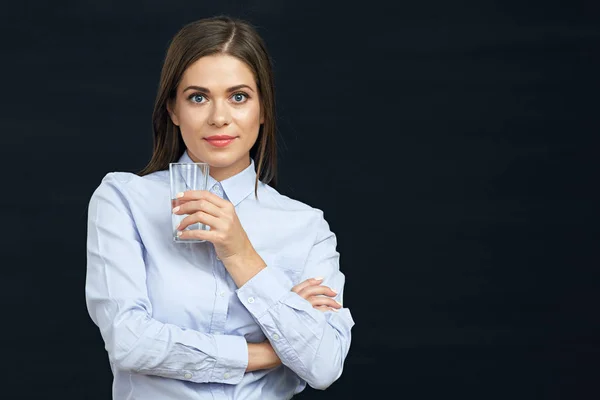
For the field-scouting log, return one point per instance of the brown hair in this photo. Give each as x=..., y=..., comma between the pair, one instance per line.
x=208, y=36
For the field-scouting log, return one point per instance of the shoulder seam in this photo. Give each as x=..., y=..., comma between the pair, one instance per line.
x=121, y=177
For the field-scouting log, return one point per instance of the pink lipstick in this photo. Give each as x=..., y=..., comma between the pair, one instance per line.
x=220, y=140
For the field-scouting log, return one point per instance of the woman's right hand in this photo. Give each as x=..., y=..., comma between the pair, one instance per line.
x=316, y=294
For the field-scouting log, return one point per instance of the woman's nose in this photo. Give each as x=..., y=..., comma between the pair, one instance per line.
x=219, y=115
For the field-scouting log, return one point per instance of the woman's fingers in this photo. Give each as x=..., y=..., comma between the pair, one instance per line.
x=192, y=206
x=323, y=301
x=201, y=217
x=199, y=234
x=308, y=291
x=202, y=195
x=307, y=283
x=316, y=294
x=198, y=211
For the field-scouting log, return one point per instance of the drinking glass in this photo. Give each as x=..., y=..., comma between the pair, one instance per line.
x=184, y=177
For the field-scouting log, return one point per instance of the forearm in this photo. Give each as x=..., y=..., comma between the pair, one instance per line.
x=242, y=267
x=261, y=356
x=312, y=343
x=138, y=343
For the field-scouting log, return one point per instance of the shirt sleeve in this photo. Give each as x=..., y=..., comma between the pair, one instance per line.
x=117, y=301
x=314, y=344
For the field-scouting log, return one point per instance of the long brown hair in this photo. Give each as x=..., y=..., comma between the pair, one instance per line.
x=204, y=37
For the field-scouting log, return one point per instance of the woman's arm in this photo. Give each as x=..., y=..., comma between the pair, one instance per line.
x=261, y=356
x=118, y=303
x=312, y=343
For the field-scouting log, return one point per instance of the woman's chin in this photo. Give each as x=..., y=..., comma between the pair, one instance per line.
x=221, y=160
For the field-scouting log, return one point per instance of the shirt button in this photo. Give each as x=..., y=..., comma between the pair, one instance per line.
x=222, y=294
x=218, y=258
x=251, y=300
x=226, y=376
x=275, y=336
x=187, y=376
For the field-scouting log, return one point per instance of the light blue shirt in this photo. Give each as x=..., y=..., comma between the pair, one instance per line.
x=174, y=323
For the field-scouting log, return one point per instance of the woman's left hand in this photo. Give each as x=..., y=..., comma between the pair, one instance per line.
x=226, y=232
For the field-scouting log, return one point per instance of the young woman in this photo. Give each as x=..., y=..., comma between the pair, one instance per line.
x=255, y=311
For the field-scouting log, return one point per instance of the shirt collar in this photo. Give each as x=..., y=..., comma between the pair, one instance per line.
x=236, y=187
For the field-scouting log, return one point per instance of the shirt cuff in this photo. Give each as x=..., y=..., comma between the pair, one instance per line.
x=263, y=291
x=232, y=359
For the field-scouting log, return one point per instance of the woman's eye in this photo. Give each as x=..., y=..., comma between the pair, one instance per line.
x=196, y=98
x=239, y=97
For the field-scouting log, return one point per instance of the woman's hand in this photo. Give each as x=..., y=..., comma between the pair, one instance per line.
x=226, y=232
x=312, y=290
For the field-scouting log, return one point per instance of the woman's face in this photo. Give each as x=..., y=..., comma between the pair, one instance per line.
x=218, y=97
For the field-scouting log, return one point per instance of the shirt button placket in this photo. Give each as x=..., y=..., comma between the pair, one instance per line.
x=222, y=301
x=216, y=189
x=221, y=304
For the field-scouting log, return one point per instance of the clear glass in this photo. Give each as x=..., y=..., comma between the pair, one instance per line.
x=184, y=177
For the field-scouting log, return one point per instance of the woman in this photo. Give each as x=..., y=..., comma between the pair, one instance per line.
x=255, y=311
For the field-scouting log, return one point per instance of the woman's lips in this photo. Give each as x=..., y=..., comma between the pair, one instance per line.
x=218, y=142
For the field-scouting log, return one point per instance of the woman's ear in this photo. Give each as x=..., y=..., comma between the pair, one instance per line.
x=172, y=114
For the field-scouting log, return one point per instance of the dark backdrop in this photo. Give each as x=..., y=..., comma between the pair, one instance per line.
x=451, y=145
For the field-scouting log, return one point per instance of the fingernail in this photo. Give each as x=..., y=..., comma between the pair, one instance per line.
x=319, y=278
x=179, y=195
x=334, y=309
x=176, y=209
x=334, y=291
x=339, y=303
x=179, y=233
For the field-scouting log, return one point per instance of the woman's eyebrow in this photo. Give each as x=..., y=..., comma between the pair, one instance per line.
x=206, y=90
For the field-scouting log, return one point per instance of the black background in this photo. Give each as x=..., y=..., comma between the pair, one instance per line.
x=451, y=145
